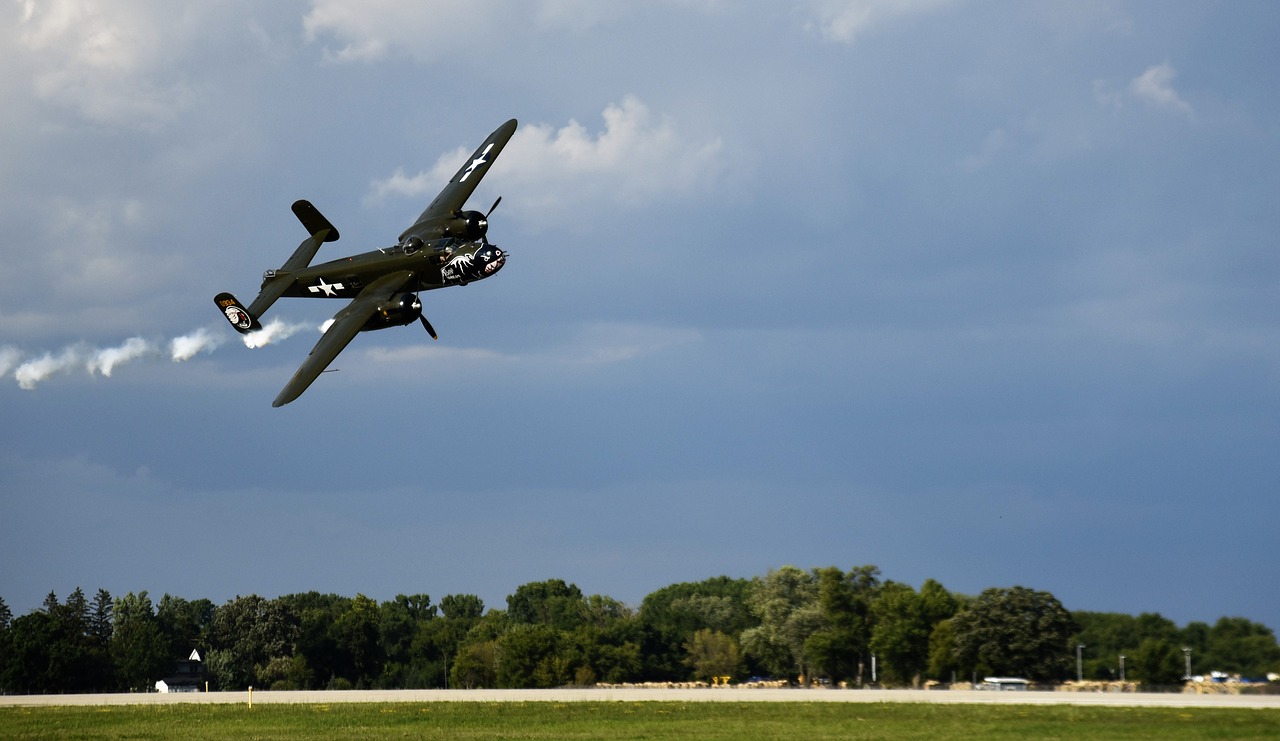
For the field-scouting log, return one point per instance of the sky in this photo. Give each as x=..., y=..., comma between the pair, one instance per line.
x=982, y=292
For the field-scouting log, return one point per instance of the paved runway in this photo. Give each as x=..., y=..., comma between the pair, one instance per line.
x=728, y=694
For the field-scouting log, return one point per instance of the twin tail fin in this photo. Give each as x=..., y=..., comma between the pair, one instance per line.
x=235, y=312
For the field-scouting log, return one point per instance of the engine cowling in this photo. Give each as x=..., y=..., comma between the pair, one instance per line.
x=397, y=312
x=469, y=226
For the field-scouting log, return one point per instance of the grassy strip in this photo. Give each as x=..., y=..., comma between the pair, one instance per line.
x=633, y=720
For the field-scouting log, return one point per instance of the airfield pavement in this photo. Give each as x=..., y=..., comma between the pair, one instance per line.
x=727, y=694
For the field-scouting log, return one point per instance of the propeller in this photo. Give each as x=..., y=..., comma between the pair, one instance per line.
x=427, y=326
x=484, y=236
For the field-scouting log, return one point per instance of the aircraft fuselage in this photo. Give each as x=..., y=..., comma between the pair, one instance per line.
x=438, y=264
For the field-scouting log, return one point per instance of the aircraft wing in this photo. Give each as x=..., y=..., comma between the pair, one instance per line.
x=460, y=188
x=346, y=325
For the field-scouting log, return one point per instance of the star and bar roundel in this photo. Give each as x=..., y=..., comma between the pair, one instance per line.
x=335, y=289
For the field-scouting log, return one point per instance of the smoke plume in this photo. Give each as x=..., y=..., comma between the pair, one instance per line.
x=9, y=357
x=29, y=372
x=273, y=331
x=188, y=346
x=104, y=361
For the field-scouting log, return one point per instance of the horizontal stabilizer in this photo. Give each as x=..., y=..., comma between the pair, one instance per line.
x=320, y=230
x=314, y=221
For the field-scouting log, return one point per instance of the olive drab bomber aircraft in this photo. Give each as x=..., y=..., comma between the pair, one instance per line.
x=446, y=246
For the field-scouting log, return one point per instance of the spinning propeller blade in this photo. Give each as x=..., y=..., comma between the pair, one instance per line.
x=427, y=326
x=484, y=237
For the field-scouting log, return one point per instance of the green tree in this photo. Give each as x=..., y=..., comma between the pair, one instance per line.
x=462, y=607
x=669, y=617
x=1240, y=646
x=533, y=656
x=1107, y=635
x=315, y=640
x=138, y=648
x=552, y=602
x=6, y=619
x=250, y=632
x=79, y=663
x=900, y=638
x=98, y=628
x=399, y=623
x=28, y=642
x=100, y=617
x=786, y=603
x=943, y=662
x=838, y=649
x=185, y=624
x=606, y=647
x=437, y=643
x=54, y=649
x=475, y=665
x=1157, y=662
x=357, y=637
x=712, y=654
x=1196, y=637
x=1015, y=632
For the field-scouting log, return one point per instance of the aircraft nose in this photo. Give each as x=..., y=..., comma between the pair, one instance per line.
x=495, y=263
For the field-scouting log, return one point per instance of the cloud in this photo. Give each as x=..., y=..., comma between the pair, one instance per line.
x=374, y=29
x=637, y=159
x=371, y=29
x=1155, y=86
x=843, y=21
x=104, y=61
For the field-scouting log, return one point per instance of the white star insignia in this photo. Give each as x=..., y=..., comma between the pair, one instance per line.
x=329, y=289
x=476, y=163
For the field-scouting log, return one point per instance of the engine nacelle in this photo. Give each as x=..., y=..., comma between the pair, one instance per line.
x=395, y=313
x=468, y=226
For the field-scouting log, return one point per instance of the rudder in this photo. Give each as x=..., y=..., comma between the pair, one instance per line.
x=235, y=312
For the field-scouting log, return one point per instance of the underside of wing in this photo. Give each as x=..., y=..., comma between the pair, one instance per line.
x=346, y=325
x=464, y=183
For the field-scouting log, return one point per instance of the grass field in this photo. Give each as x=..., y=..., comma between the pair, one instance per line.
x=624, y=720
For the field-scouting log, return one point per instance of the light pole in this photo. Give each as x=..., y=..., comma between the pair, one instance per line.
x=1079, y=664
x=1187, y=652
x=1121, y=668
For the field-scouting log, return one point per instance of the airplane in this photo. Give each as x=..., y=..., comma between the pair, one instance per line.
x=446, y=246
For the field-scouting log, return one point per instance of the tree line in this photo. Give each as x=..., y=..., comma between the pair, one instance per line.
x=820, y=625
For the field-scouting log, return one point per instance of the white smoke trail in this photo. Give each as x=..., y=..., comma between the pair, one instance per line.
x=188, y=346
x=9, y=357
x=105, y=360
x=274, y=331
x=34, y=371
